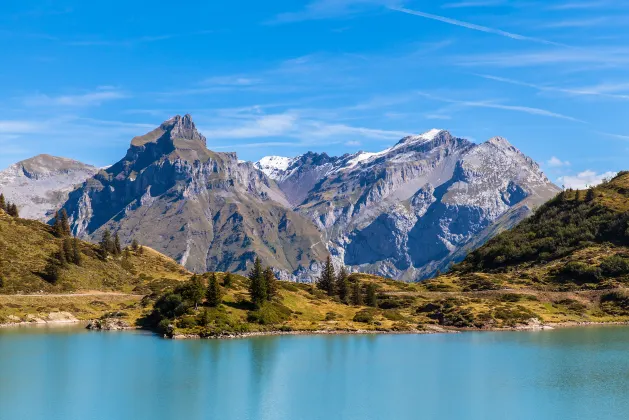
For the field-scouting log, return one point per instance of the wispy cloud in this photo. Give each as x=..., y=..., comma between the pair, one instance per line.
x=555, y=162
x=494, y=105
x=326, y=9
x=131, y=41
x=467, y=4
x=475, y=27
x=596, y=56
x=601, y=90
x=585, y=179
x=231, y=80
x=94, y=98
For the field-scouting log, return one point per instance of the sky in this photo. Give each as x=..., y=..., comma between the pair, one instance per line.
x=80, y=79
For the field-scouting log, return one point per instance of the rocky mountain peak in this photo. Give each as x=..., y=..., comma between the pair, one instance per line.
x=429, y=135
x=183, y=128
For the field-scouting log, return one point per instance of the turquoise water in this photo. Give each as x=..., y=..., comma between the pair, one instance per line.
x=68, y=373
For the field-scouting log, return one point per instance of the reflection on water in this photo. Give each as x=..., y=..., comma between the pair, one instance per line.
x=68, y=373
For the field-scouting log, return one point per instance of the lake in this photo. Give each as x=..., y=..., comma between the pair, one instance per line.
x=69, y=373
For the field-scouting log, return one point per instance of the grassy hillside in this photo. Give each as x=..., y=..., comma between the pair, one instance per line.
x=26, y=246
x=577, y=241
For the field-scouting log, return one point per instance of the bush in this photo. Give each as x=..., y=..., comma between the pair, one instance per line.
x=579, y=272
x=365, y=316
x=393, y=315
x=270, y=313
x=510, y=297
x=615, y=266
x=615, y=303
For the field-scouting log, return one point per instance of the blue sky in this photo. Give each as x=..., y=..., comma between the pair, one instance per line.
x=80, y=79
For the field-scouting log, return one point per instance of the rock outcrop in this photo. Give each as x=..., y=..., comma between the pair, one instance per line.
x=41, y=184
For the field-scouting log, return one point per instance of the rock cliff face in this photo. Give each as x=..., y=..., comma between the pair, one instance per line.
x=412, y=209
x=205, y=209
x=40, y=185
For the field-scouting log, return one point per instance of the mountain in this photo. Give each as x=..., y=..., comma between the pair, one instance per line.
x=414, y=208
x=207, y=210
x=41, y=184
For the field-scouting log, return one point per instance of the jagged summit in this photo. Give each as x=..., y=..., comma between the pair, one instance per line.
x=424, y=137
x=175, y=128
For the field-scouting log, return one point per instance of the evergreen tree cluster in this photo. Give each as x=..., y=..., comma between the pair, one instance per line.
x=262, y=283
x=69, y=253
x=349, y=290
x=110, y=245
x=61, y=226
x=9, y=208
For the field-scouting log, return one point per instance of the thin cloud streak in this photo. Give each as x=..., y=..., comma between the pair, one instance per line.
x=594, y=91
x=476, y=27
x=492, y=105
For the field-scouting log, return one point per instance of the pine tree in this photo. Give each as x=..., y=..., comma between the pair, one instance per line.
x=76, y=252
x=134, y=244
x=194, y=291
x=227, y=280
x=67, y=250
x=214, y=294
x=117, y=250
x=357, y=293
x=327, y=279
x=342, y=285
x=56, y=227
x=372, y=299
x=3, y=203
x=589, y=195
x=106, y=244
x=65, y=224
x=12, y=210
x=270, y=282
x=52, y=271
x=257, y=289
x=140, y=250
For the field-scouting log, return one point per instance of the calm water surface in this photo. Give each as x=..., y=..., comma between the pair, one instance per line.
x=68, y=373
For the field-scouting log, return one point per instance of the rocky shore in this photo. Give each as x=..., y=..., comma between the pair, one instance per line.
x=30, y=319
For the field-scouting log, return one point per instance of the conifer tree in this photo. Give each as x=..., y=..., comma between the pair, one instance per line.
x=3, y=203
x=117, y=250
x=194, y=291
x=357, y=293
x=12, y=210
x=57, y=227
x=65, y=224
x=67, y=250
x=52, y=271
x=227, y=280
x=372, y=299
x=270, y=282
x=76, y=252
x=589, y=195
x=327, y=279
x=214, y=294
x=106, y=245
x=257, y=287
x=342, y=285
x=134, y=244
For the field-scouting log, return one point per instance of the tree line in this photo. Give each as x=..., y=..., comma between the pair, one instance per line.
x=8, y=207
x=348, y=289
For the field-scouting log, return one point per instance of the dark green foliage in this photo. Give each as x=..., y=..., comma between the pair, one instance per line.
x=214, y=294
x=134, y=245
x=193, y=291
x=615, y=266
x=67, y=249
x=393, y=315
x=510, y=297
x=365, y=315
x=170, y=305
x=106, y=244
x=77, y=259
x=117, y=249
x=257, y=286
x=558, y=228
x=372, y=299
x=579, y=272
x=12, y=210
x=327, y=280
x=357, y=293
x=54, y=266
x=270, y=283
x=269, y=313
x=3, y=203
x=61, y=226
x=589, y=195
x=227, y=280
x=615, y=303
x=474, y=282
x=343, y=286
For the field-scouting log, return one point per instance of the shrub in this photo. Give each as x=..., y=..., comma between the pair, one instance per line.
x=615, y=303
x=269, y=313
x=365, y=315
x=579, y=272
x=615, y=266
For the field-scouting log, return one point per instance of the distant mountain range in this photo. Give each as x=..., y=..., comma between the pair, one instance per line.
x=404, y=212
